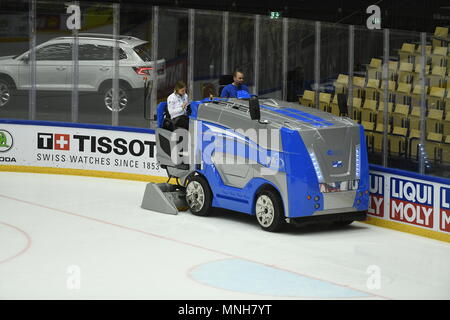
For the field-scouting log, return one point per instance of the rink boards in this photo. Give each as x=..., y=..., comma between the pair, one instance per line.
x=400, y=200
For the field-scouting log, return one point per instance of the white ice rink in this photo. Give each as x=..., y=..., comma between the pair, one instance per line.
x=69, y=237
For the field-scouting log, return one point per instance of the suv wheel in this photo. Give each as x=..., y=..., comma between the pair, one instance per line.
x=5, y=92
x=124, y=97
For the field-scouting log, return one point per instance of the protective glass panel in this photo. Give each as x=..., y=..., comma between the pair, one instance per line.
x=334, y=44
x=207, y=53
x=96, y=64
x=366, y=88
x=136, y=30
x=271, y=58
x=241, y=46
x=300, y=77
x=404, y=118
x=334, y=55
x=14, y=43
x=173, y=49
x=54, y=67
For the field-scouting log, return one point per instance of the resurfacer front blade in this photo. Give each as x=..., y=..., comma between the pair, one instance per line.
x=164, y=198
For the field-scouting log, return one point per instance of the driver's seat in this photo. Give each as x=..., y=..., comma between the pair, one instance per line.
x=163, y=117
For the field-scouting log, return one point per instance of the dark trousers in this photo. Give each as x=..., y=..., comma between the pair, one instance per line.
x=181, y=122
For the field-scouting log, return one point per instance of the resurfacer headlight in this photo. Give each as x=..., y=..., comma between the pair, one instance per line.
x=358, y=161
x=316, y=166
x=339, y=186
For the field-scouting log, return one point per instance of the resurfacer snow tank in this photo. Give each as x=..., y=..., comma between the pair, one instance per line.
x=273, y=159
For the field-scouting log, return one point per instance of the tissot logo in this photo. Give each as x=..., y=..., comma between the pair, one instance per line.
x=53, y=141
x=6, y=140
x=94, y=144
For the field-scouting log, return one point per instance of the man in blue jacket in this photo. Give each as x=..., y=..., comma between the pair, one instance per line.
x=231, y=90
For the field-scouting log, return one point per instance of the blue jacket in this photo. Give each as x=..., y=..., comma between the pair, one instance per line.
x=230, y=91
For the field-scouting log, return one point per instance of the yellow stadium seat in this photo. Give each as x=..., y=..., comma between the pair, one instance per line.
x=368, y=130
x=374, y=69
x=436, y=98
x=433, y=146
x=437, y=77
x=372, y=89
x=418, y=68
x=446, y=150
x=417, y=95
x=418, y=54
x=405, y=72
x=400, y=115
x=341, y=84
x=447, y=101
x=414, y=118
x=391, y=90
x=358, y=86
x=334, y=106
x=308, y=98
x=403, y=94
x=356, y=109
x=446, y=124
x=378, y=137
x=406, y=53
x=324, y=101
x=392, y=70
x=380, y=113
x=369, y=110
x=413, y=143
x=439, y=32
x=417, y=73
x=397, y=141
x=439, y=56
x=434, y=121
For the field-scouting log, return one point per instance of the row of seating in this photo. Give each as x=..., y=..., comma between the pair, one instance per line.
x=404, y=101
x=403, y=142
x=407, y=72
x=399, y=92
x=434, y=55
x=436, y=98
x=405, y=122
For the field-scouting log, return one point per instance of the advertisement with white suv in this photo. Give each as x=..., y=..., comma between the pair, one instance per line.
x=54, y=67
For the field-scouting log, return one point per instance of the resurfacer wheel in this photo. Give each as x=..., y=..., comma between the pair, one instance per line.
x=199, y=196
x=269, y=211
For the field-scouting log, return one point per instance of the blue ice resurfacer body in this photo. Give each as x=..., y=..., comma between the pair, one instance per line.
x=277, y=160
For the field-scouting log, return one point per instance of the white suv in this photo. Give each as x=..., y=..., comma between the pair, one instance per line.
x=96, y=67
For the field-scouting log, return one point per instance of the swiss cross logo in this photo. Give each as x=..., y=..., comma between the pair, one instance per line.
x=53, y=141
x=62, y=142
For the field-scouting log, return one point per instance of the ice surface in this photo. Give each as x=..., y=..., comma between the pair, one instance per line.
x=69, y=237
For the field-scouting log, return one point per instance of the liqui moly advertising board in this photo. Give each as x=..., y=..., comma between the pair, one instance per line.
x=408, y=200
x=411, y=202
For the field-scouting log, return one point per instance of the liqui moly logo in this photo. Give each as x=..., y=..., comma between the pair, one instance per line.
x=444, y=223
x=376, y=203
x=411, y=202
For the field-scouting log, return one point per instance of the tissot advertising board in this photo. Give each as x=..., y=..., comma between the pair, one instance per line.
x=79, y=148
